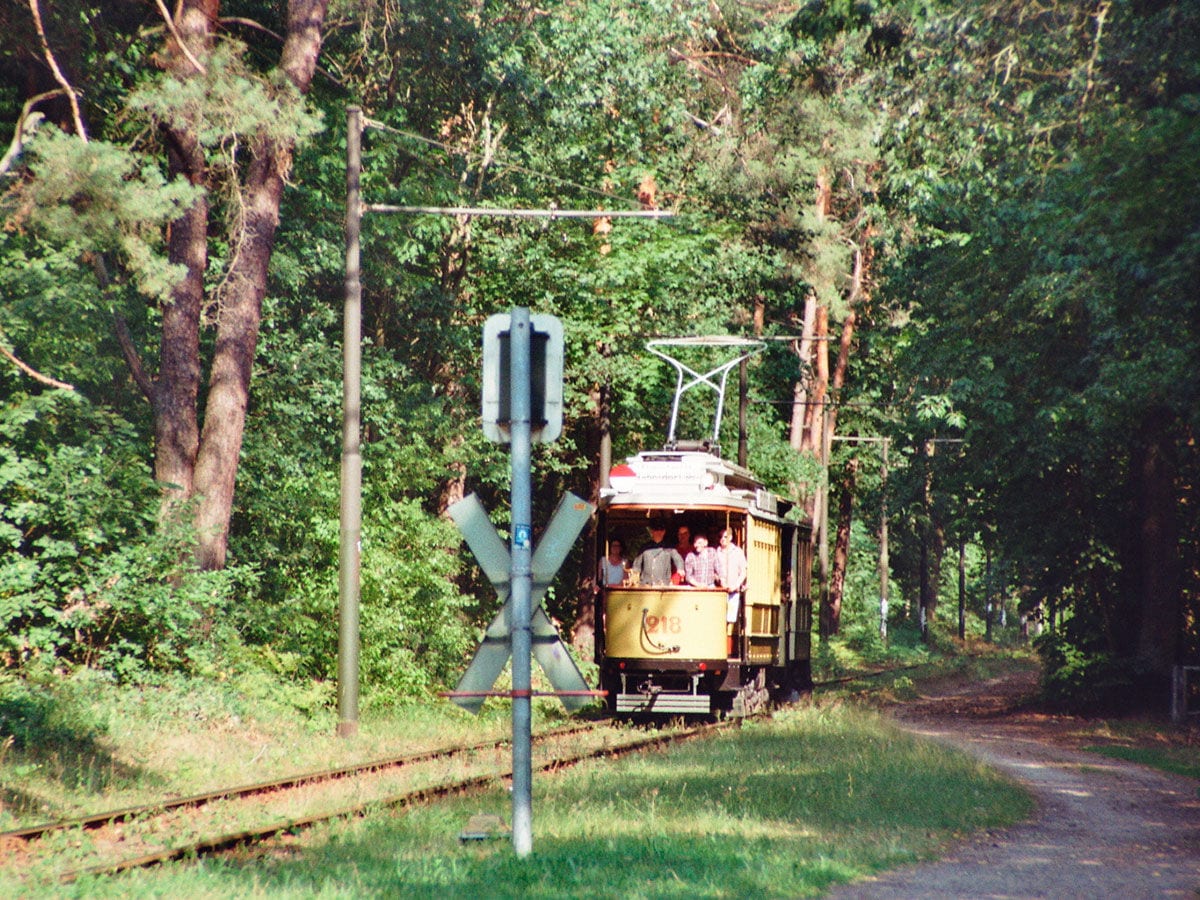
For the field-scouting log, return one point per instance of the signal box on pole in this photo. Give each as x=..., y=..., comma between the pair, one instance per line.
x=545, y=377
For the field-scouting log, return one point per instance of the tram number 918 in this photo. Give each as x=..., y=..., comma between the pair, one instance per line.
x=664, y=624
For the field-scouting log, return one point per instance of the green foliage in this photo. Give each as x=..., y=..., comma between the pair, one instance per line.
x=103, y=197
x=88, y=578
x=228, y=102
x=415, y=630
x=1085, y=680
x=1043, y=309
x=38, y=712
x=1018, y=182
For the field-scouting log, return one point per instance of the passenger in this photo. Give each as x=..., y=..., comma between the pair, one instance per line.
x=683, y=546
x=657, y=562
x=613, y=566
x=701, y=564
x=731, y=573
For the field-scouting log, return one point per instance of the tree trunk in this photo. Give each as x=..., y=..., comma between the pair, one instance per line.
x=937, y=554
x=803, y=350
x=233, y=359
x=598, y=443
x=925, y=592
x=811, y=436
x=1158, y=562
x=175, y=393
x=846, y=342
x=962, y=588
x=207, y=467
x=831, y=615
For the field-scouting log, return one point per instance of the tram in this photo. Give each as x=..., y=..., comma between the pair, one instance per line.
x=666, y=647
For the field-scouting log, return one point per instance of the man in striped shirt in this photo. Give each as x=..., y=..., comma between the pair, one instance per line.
x=700, y=567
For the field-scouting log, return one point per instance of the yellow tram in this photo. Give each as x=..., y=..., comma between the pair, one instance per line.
x=668, y=647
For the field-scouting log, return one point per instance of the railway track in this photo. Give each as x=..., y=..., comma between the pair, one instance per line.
x=205, y=824
x=244, y=816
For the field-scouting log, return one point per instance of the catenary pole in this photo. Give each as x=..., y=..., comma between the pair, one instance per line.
x=351, y=489
x=350, y=554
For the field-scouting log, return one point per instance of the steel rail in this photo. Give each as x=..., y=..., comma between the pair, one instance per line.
x=97, y=820
x=246, y=837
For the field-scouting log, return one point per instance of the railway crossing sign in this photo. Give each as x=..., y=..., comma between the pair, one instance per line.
x=496, y=561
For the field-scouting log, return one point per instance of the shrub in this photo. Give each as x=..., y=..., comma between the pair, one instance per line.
x=90, y=577
x=1084, y=680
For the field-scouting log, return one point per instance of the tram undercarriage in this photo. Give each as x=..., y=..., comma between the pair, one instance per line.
x=737, y=690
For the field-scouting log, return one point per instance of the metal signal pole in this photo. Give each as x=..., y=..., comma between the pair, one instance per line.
x=522, y=553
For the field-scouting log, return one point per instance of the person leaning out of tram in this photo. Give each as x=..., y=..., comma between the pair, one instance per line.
x=731, y=573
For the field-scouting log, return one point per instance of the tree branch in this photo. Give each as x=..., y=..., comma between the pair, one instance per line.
x=34, y=373
x=132, y=359
x=162, y=8
x=72, y=96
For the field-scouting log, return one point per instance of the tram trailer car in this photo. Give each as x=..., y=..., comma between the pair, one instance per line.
x=667, y=649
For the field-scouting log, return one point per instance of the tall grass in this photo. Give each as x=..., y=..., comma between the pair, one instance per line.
x=787, y=808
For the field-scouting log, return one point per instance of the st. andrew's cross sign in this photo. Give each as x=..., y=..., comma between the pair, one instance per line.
x=520, y=576
x=496, y=561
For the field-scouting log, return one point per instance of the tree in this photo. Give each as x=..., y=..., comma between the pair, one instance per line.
x=1041, y=316
x=229, y=133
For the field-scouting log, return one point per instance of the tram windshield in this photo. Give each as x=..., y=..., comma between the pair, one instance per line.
x=629, y=534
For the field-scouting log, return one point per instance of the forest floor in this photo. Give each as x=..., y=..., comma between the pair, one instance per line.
x=1103, y=827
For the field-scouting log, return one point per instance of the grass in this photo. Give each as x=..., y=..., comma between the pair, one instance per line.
x=82, y=744
x=817, y=797
x=1168, y=748
x=821, y=796
x=1178, y=760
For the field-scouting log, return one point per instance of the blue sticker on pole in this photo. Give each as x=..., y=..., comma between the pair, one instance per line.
x=522, y=536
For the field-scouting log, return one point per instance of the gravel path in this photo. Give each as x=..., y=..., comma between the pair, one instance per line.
x=1104, y=828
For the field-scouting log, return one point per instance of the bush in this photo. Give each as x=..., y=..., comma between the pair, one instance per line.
x=91, y=578
x=1082, y=680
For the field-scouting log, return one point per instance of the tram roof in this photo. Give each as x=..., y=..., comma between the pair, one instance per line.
x=691, y=479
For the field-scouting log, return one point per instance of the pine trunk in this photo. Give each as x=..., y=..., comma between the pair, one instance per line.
x=831, y=616
x=177, y=387
x=1158, y=562
x=204, y=462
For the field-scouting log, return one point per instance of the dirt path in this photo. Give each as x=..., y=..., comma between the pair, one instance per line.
x=1104, y=828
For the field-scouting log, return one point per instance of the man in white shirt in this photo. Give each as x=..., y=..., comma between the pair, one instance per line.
x=731, y=573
